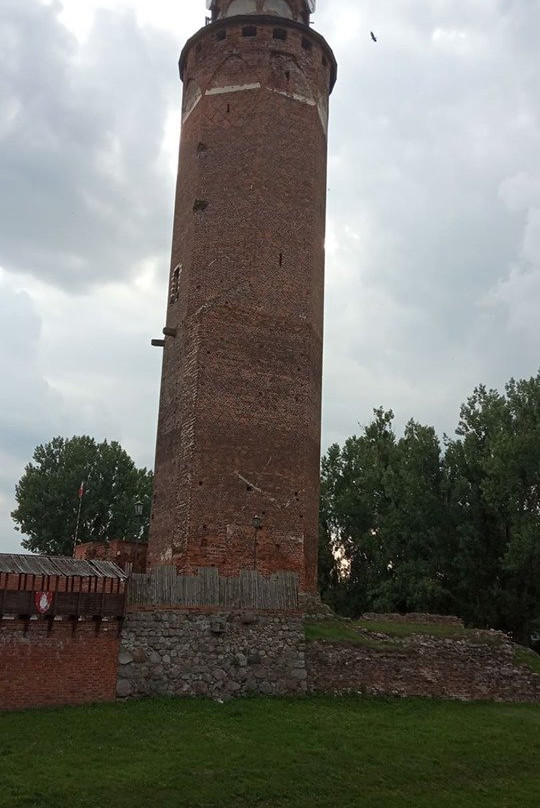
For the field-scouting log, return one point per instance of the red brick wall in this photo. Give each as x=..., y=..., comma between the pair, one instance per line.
x=239, y=423
x=121, y=552
x=60, y=667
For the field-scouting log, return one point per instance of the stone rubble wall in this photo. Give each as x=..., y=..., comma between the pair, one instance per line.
x=219, y=655
x=415, y=617
x=481, y=669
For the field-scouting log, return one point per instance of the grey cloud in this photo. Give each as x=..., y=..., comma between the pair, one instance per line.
x=433, y=237
x=84, y=191
x=426, y=127
x=29, y=407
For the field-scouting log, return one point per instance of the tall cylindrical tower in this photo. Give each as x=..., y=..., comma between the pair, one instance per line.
x=238, y=446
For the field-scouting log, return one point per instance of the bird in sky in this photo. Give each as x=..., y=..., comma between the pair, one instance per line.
x=374, y=38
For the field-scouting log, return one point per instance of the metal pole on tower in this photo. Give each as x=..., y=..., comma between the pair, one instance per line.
x=81, y=495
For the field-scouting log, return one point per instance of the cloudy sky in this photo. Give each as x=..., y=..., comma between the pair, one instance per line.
x=433, y=241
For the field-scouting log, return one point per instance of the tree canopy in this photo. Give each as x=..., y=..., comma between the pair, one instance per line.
x=49, y=496
x=410, y=525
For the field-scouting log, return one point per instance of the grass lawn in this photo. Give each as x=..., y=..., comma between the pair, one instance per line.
x=407, y=628
x=337, y=631
x=525, y=656
x=347, y=631
x=272, y=753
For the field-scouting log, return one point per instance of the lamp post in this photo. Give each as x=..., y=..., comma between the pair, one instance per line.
x=257, y=524
x=138, y=508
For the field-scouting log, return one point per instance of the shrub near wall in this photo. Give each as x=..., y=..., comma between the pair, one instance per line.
x=54, y=663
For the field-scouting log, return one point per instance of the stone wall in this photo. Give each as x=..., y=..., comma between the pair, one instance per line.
x=415, y=617
x=219, y=655
x=473, y=669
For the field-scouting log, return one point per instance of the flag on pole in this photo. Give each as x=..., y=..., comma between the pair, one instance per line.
x=81, y=490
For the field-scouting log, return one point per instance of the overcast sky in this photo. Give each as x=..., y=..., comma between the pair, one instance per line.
x=433, y=238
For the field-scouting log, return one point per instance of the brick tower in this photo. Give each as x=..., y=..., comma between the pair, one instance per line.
x=238, y=446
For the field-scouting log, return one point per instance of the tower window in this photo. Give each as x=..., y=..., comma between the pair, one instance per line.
x=249, y=30
x=280, y=33
x=175, y=281
x=307, y=44
x=200, y=205
x=221, y=34
x=325, y=61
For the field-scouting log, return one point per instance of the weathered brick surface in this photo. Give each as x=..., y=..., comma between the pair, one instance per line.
x=239, y=422
x=123, y=553
x=468, y=670
x=42, y=668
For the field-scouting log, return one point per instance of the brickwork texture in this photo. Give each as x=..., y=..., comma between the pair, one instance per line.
x=45, y=665
x=238, y=448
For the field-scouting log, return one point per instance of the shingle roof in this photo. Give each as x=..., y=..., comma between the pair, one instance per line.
x=58, y=565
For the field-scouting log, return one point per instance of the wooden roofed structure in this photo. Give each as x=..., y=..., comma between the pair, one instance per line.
x=54, y=586
x=58, y=565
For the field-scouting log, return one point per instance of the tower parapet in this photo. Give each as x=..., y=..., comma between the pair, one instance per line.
x=298, y=10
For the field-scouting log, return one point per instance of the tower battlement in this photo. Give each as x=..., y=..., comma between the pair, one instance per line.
x=299, y=10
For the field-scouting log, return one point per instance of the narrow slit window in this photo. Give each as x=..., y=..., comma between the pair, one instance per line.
x=175, y=283
x=249, y=30
x=280, y=33
x=221, y=34
x=307, y=44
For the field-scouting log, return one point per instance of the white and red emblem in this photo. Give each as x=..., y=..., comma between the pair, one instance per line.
x=43, y=602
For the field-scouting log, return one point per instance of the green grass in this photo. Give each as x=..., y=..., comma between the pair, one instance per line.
x=406, y=629
x=336, y=631
x=347, y=632
x=524, y=656
x=257, y=753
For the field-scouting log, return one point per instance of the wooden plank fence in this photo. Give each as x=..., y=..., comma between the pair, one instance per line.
x=163, y=587
x=63, y=604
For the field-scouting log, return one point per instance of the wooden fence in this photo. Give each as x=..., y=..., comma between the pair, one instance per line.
x=62, y=604
x=163, y=587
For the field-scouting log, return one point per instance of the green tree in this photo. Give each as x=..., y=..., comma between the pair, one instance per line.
x=383, y=513
x=352, y=498
x=48, y=496
x=493, y=472
x=415, y=527
x=419, y=530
